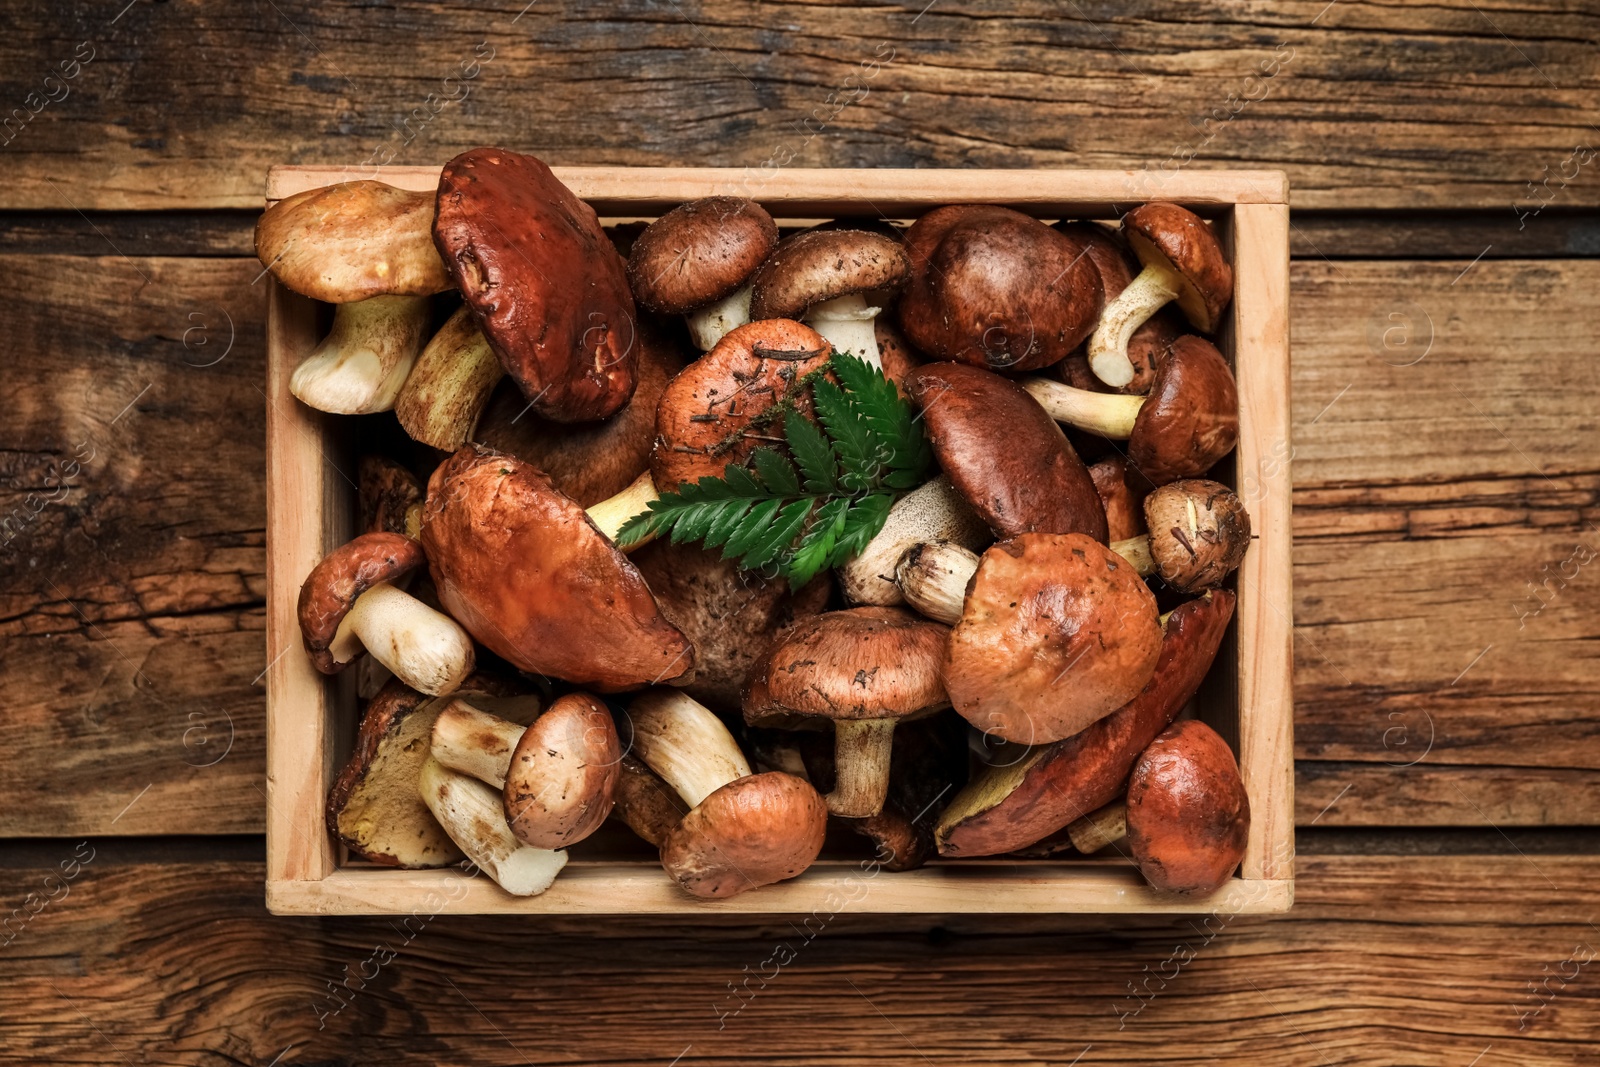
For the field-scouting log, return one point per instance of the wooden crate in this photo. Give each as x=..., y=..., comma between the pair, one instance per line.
x=310, y=506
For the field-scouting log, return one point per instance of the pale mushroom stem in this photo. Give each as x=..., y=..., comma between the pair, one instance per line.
x=362, y=363
x=713, y=322
x=934, y=511
x=610, y=514
x=475, y=743
x=448, y=387
x=425, y=649
x=473, y=815
x=846, y=323
x=680, y=739
x=1156, y=286
x=1136, y=550
x=861, y=749
x=933, y=578
x=1100, y=828
x=1107, y=414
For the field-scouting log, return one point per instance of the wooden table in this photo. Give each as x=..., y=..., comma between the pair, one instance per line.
x=1446, y=188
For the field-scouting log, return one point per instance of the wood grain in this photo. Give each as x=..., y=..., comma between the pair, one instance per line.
x=1444, y=105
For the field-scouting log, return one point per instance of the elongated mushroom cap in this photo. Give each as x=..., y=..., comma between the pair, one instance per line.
x=352, y=241
x=527, y=573
x=1057, y=632
x=548, y=288
x=699, y=252
x=1124, y=515
x=333, y=585
x=1199, y=532
x=818, y=265
x=757, y=830
x=1188, y=814
x=1191, y=419
x=995, y=288
x=563, y=774
x=1178, y=238
x=1004, y=453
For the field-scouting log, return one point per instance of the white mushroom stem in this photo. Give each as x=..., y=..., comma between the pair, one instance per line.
x=448, y=387
x=685, y=744
x=609, y=515
x=933, y=577
x=1155, y=286
x=711, y=323
x=1100, y=828
x=362, y=363
x=861, y=751
x=846, y=323
x=1136, y=550
x=473, y=815
x=425, y=649
x=475, y=743
x=934, y=511
x=1107, y=414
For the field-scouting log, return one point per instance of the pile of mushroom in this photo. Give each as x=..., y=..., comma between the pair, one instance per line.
x=532, y=669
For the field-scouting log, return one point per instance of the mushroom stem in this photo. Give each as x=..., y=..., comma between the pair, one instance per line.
x=362, y=363
x=1107, y=414
x=711, y=323
x=1100, y=828
x=682, y=741
x=424, y=648
x=472, y=814
x=847, y=324
x=448, y=387
x=1155, y=286
x=475, y=743
x=934, y=511
x=861, y=749
x=1136, y=550
x=609, y=515
x=933, y=578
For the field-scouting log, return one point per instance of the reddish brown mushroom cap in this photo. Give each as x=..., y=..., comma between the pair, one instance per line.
x=699, y=252
x=995, y=288
x=1191, y=419
x=1188, y=814
x=820, y=265
x=754, y=831
x=333, y=585
x=1057, y=632
x=545, y=283
x=1004, y=453
x=1181, y=239
x=1124, y=513
x=1105, y=250
x=563, y=773
x=1199, y=533
x=525, y=571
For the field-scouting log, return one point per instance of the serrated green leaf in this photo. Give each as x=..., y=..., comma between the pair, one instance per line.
x=862, y=523
x=776, y=540
x=816, y=546
x=775, y=472
x=812, y=453
x=741, y=482
x=726, y=522
x=755, y=523
x=850, y=436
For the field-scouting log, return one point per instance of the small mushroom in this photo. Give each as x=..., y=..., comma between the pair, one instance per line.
x=996, y=288
x=865, y=669
x=472, y=814
x=895, y=353
x=349, y=604
x=1189, y=421
x=448, y=387
x=1182, y=261
x=1199, y=533
x=1124, y=513
x=646, y=804
x=388, y=497
x=1188, y=813
x=361, y=365
x=823, y=276
x=934, y=511
x=1147, y=344
x=697, y=260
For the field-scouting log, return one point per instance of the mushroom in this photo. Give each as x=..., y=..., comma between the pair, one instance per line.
x=1005, y=461
x=472, y=814
x=548, y=289
x=360, y=366
x=1188, y=813
x=697, y=260
x=1005, y=808
x=1189, y=421
x=353, y=241
x=389, y=497
x=1147, y=344
x=863, y=668
x=1199, y=532
x=1124, y=514
x=448, y=387
x=996, y=288
x=823, y=276
x=571, y=606
x=349, y=604
x=1183, y=261
x=743, y=830
x=895, y=353
x=645, y=803
x=557, y=776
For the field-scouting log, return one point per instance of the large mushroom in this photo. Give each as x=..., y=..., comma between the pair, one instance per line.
x=823, y=277
x=1188, y=813
x=863, y=669
x=697, y=260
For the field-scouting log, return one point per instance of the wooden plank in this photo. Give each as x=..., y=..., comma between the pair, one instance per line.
x=1443, y=105
x=1387, y=959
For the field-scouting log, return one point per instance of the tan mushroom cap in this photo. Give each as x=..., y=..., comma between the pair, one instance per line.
x=1188, y=813
x=1191, y=419
x=1004, y=453
x=1124, y=512
x=821, y=265
x=563, y=774
x=699, y=252
x=1057, y=632
x=754, y=831
x=1178, y=238
x=1199, y=533
x=333, y=585
x=352, y=241
x=523, y=568
x=718, y=410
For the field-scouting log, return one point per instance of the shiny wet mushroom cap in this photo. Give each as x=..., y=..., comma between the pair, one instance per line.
x=755, y=831
x=1188, y=813
x=824, y=276
x=699, y=252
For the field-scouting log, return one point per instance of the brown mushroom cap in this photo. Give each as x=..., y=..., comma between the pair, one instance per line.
x=699, y=252
x=1105, y=250
x=1191, y=419
x=333, y=585
x=995, y=288
x=1199, y=532
x=1057, y=632
x=894, y=351
x=525, y=571
x=1178, y=238
x=754, y=831
x=563, y=774
x=386, y=493
x=820, y=265
x=1004, y=453
x=1124, y=515
x=547, y=287
x=1188, y=814
x=352, y=241
x=647, y=805
x=716, y=412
